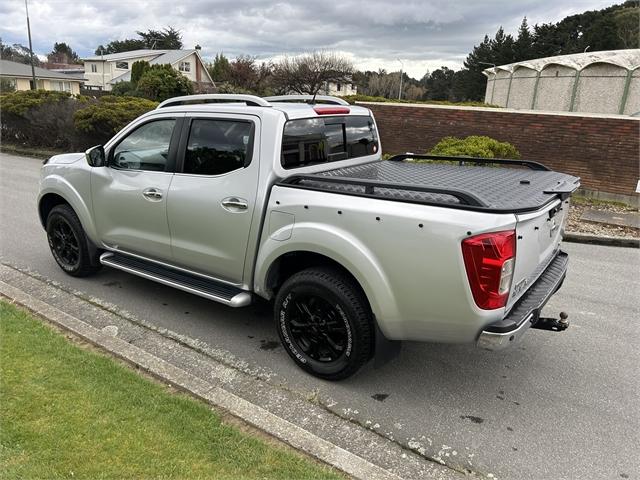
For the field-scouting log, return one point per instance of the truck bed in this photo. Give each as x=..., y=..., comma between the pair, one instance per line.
x=467, y=184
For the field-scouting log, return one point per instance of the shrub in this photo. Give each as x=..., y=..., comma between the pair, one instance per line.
x=475, y=146
x=137, y=70
x=109, y=114
x=124, y=89
x=40, y=118
x=160, y=82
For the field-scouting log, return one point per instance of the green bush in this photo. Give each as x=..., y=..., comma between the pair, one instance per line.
x=160, y=82
x=40, y=118
x=124, y=89
x=475, y=146
x=109, y=114
x=137, y=70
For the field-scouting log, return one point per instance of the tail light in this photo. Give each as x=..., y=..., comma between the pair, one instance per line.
x=489, y=260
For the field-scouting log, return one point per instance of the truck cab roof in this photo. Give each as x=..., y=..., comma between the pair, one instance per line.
x=292, y=106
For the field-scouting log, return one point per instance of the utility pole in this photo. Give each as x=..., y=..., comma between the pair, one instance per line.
x=401, y=69
x=33, y=68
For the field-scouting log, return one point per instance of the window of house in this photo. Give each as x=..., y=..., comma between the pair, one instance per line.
x=339, y=87
x=94, y=68
x=122, y=65
x=146, y=148
x=218, y=146
x=311, y=141
x=184, y=66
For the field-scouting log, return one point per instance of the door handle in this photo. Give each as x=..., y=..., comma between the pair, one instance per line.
x=152, y=194
x=234, y=204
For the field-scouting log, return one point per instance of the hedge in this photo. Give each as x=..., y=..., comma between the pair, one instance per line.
x=475, y=146
x=60, y=120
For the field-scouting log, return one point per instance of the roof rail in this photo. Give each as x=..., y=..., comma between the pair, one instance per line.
x=250, y=100
x=308, y=98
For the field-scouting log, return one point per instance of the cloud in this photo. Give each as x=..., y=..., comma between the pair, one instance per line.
x=375, y=33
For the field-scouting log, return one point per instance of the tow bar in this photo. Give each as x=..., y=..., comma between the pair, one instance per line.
x=553, y=324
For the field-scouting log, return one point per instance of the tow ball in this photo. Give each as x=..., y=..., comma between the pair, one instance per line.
x=553, y=324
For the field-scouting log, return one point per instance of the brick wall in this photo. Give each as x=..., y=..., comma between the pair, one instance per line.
x=603, y=151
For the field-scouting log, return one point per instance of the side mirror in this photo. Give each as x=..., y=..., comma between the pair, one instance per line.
x=96, y=157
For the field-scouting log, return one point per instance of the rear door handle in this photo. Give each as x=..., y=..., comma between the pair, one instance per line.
x=152, y=194
x=233, y=204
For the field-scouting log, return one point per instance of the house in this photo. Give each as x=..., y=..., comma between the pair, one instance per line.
x=17, y=76
x=336, y=89
x=104, y=71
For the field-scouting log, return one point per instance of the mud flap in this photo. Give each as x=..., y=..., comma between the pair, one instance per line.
x=385, y=349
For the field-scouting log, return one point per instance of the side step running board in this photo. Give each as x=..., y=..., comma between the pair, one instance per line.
x=202, y=286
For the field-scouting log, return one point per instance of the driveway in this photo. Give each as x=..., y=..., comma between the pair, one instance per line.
x=560, y=405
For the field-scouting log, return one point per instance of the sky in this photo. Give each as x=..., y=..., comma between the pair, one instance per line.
x=374, y=34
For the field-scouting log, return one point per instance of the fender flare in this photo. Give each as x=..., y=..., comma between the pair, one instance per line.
x=341, y=247
x=56, y=184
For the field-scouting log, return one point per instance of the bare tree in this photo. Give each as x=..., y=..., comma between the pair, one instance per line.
x=309, y=73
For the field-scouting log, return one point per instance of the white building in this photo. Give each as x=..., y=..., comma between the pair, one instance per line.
x=339, y=89
x=104, y=71
x=595, y=82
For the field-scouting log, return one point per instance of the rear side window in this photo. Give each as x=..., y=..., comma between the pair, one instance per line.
x=218, y=146
x=319, y=140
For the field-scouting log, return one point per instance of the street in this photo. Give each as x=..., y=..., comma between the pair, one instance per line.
x=559, y=405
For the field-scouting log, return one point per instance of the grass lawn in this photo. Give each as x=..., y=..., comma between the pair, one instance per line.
x=68, y=412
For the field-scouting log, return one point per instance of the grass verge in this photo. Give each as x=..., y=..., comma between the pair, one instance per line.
x=69, y=412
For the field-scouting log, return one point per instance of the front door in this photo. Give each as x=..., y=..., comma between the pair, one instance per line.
x=213, y=194
x=130, y=194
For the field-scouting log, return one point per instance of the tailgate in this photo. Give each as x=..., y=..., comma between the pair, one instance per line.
x=538, y=238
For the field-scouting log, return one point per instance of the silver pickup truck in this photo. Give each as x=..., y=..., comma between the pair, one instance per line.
x=233, y=197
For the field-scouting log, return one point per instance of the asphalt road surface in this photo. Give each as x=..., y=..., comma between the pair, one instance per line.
x=560, y=405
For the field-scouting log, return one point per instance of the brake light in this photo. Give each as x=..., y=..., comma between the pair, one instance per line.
x=331, y=110
x=489, y=260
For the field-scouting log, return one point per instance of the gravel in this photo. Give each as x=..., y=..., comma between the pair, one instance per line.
x=576, y=225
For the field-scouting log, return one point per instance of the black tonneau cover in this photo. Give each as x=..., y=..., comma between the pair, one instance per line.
x=464, y=184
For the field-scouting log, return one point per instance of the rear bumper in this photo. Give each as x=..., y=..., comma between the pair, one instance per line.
x=526, y=311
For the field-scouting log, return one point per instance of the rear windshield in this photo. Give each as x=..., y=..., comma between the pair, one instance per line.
x=310, y=141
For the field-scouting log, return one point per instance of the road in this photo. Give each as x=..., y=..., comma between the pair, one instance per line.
x=560, y=405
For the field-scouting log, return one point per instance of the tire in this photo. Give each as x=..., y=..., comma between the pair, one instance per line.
x=69, y=245
x=324, y=323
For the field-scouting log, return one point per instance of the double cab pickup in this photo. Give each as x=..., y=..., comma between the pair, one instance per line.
x=235, y=197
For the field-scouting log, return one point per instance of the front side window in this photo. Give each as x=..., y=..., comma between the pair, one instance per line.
x=146, y=148
x=122, y=65
x=185, y=66
x=218, y=146
x=94, y=68
x=319, y=140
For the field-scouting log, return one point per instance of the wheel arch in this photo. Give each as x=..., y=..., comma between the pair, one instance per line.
x=55, y=191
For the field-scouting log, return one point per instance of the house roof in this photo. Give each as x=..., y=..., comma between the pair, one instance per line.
x=628, y=59
x=14, y=69
x=168, y=57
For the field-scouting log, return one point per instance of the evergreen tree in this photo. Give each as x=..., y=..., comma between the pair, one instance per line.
x=220, y=68
x=523, y=46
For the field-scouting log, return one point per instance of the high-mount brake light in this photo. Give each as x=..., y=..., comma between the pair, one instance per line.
x=489, y=259
x=330, y=110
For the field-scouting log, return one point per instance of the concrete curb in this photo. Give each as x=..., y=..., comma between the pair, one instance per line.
x=602, y=240
x=258, y=417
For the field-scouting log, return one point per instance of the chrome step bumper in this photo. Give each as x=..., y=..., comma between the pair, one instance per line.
x=201, y=286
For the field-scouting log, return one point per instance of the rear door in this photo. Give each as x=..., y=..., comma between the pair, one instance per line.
x=213, y=194
x=539, y=237
x=130, y=194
